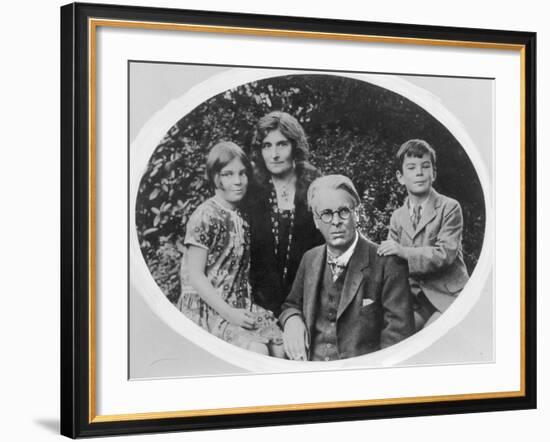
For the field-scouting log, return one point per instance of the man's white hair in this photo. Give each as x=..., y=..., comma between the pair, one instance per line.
x=334, y=182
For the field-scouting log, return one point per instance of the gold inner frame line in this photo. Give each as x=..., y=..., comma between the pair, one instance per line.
x=300, y=34
x=93, y=24
x=298, y=407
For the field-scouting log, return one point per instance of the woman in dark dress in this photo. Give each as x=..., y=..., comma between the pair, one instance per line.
x=282, y=228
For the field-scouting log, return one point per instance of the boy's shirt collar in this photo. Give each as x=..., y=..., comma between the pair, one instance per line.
x=411, y=206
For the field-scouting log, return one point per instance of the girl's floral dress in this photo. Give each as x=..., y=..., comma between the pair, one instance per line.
x=225, y=234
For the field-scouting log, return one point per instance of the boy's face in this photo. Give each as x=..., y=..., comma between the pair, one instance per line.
x=418, y=175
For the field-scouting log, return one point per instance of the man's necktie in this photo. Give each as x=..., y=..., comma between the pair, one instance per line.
x=337, y=269
x=417, y=214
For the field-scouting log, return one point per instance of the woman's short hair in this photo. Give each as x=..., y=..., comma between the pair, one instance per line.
x=414, y=148
x=221, y=154
x=333, y=182
x=289, y=127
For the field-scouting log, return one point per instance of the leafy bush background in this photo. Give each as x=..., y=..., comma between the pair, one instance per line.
x=353, y=127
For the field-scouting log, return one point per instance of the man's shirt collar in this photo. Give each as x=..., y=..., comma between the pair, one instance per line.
x=343, y=259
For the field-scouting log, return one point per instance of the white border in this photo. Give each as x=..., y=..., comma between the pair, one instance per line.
x=115, y=395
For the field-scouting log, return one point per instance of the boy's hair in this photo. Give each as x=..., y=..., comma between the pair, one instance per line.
x=220, y=156
x=414, y=148
x=289, y=127
x=331, y=182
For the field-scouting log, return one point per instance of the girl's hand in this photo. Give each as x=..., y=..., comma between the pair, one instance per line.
x=241, y=317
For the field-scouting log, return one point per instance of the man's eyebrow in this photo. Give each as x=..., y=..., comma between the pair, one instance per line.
x=339, y=208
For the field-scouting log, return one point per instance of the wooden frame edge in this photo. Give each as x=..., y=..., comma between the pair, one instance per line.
x=74, y=428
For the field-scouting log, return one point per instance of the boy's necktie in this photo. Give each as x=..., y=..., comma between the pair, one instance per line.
x=417, y=214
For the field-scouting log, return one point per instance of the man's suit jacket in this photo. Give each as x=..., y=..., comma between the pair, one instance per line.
x=434, y=249
x=375, y=308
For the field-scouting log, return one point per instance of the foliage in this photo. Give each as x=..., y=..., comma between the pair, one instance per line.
x=354, y=128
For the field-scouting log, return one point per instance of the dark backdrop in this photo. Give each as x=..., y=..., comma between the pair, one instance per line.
x=353, y=127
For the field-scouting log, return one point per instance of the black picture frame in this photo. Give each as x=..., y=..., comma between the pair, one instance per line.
x=77, y=251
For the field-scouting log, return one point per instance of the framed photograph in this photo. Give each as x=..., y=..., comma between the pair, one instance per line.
x=274, y=220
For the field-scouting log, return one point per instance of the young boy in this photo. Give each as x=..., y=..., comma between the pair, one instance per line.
x=427, y=232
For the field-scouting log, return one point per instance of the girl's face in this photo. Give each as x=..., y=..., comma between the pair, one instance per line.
x=232, y=181
x=277, y=153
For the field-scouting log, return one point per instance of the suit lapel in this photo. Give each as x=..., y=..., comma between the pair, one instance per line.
x=312, y=286
x=405, y=219
x=429, y=211
x=354, y=275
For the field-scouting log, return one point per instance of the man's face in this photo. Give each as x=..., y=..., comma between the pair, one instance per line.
x=418, y=175
x=338, y=233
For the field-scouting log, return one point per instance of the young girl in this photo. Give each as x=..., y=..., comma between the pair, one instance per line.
x=215, y=290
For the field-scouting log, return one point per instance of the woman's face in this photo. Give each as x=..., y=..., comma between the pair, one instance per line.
x=232, y=181
x=277, y=153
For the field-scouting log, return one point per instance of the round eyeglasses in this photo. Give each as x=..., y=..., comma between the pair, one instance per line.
x=327, y=215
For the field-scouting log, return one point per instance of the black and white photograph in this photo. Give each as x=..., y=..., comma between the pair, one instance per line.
x=293, y=220
x=274, y=220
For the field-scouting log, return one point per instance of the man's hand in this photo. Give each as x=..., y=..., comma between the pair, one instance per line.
x=390, y=247
x=295, y=339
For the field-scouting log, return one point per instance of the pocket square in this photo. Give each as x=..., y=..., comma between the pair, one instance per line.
x=367, y=301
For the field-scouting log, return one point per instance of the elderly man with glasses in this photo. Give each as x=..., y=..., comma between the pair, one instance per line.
x=346, y=300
